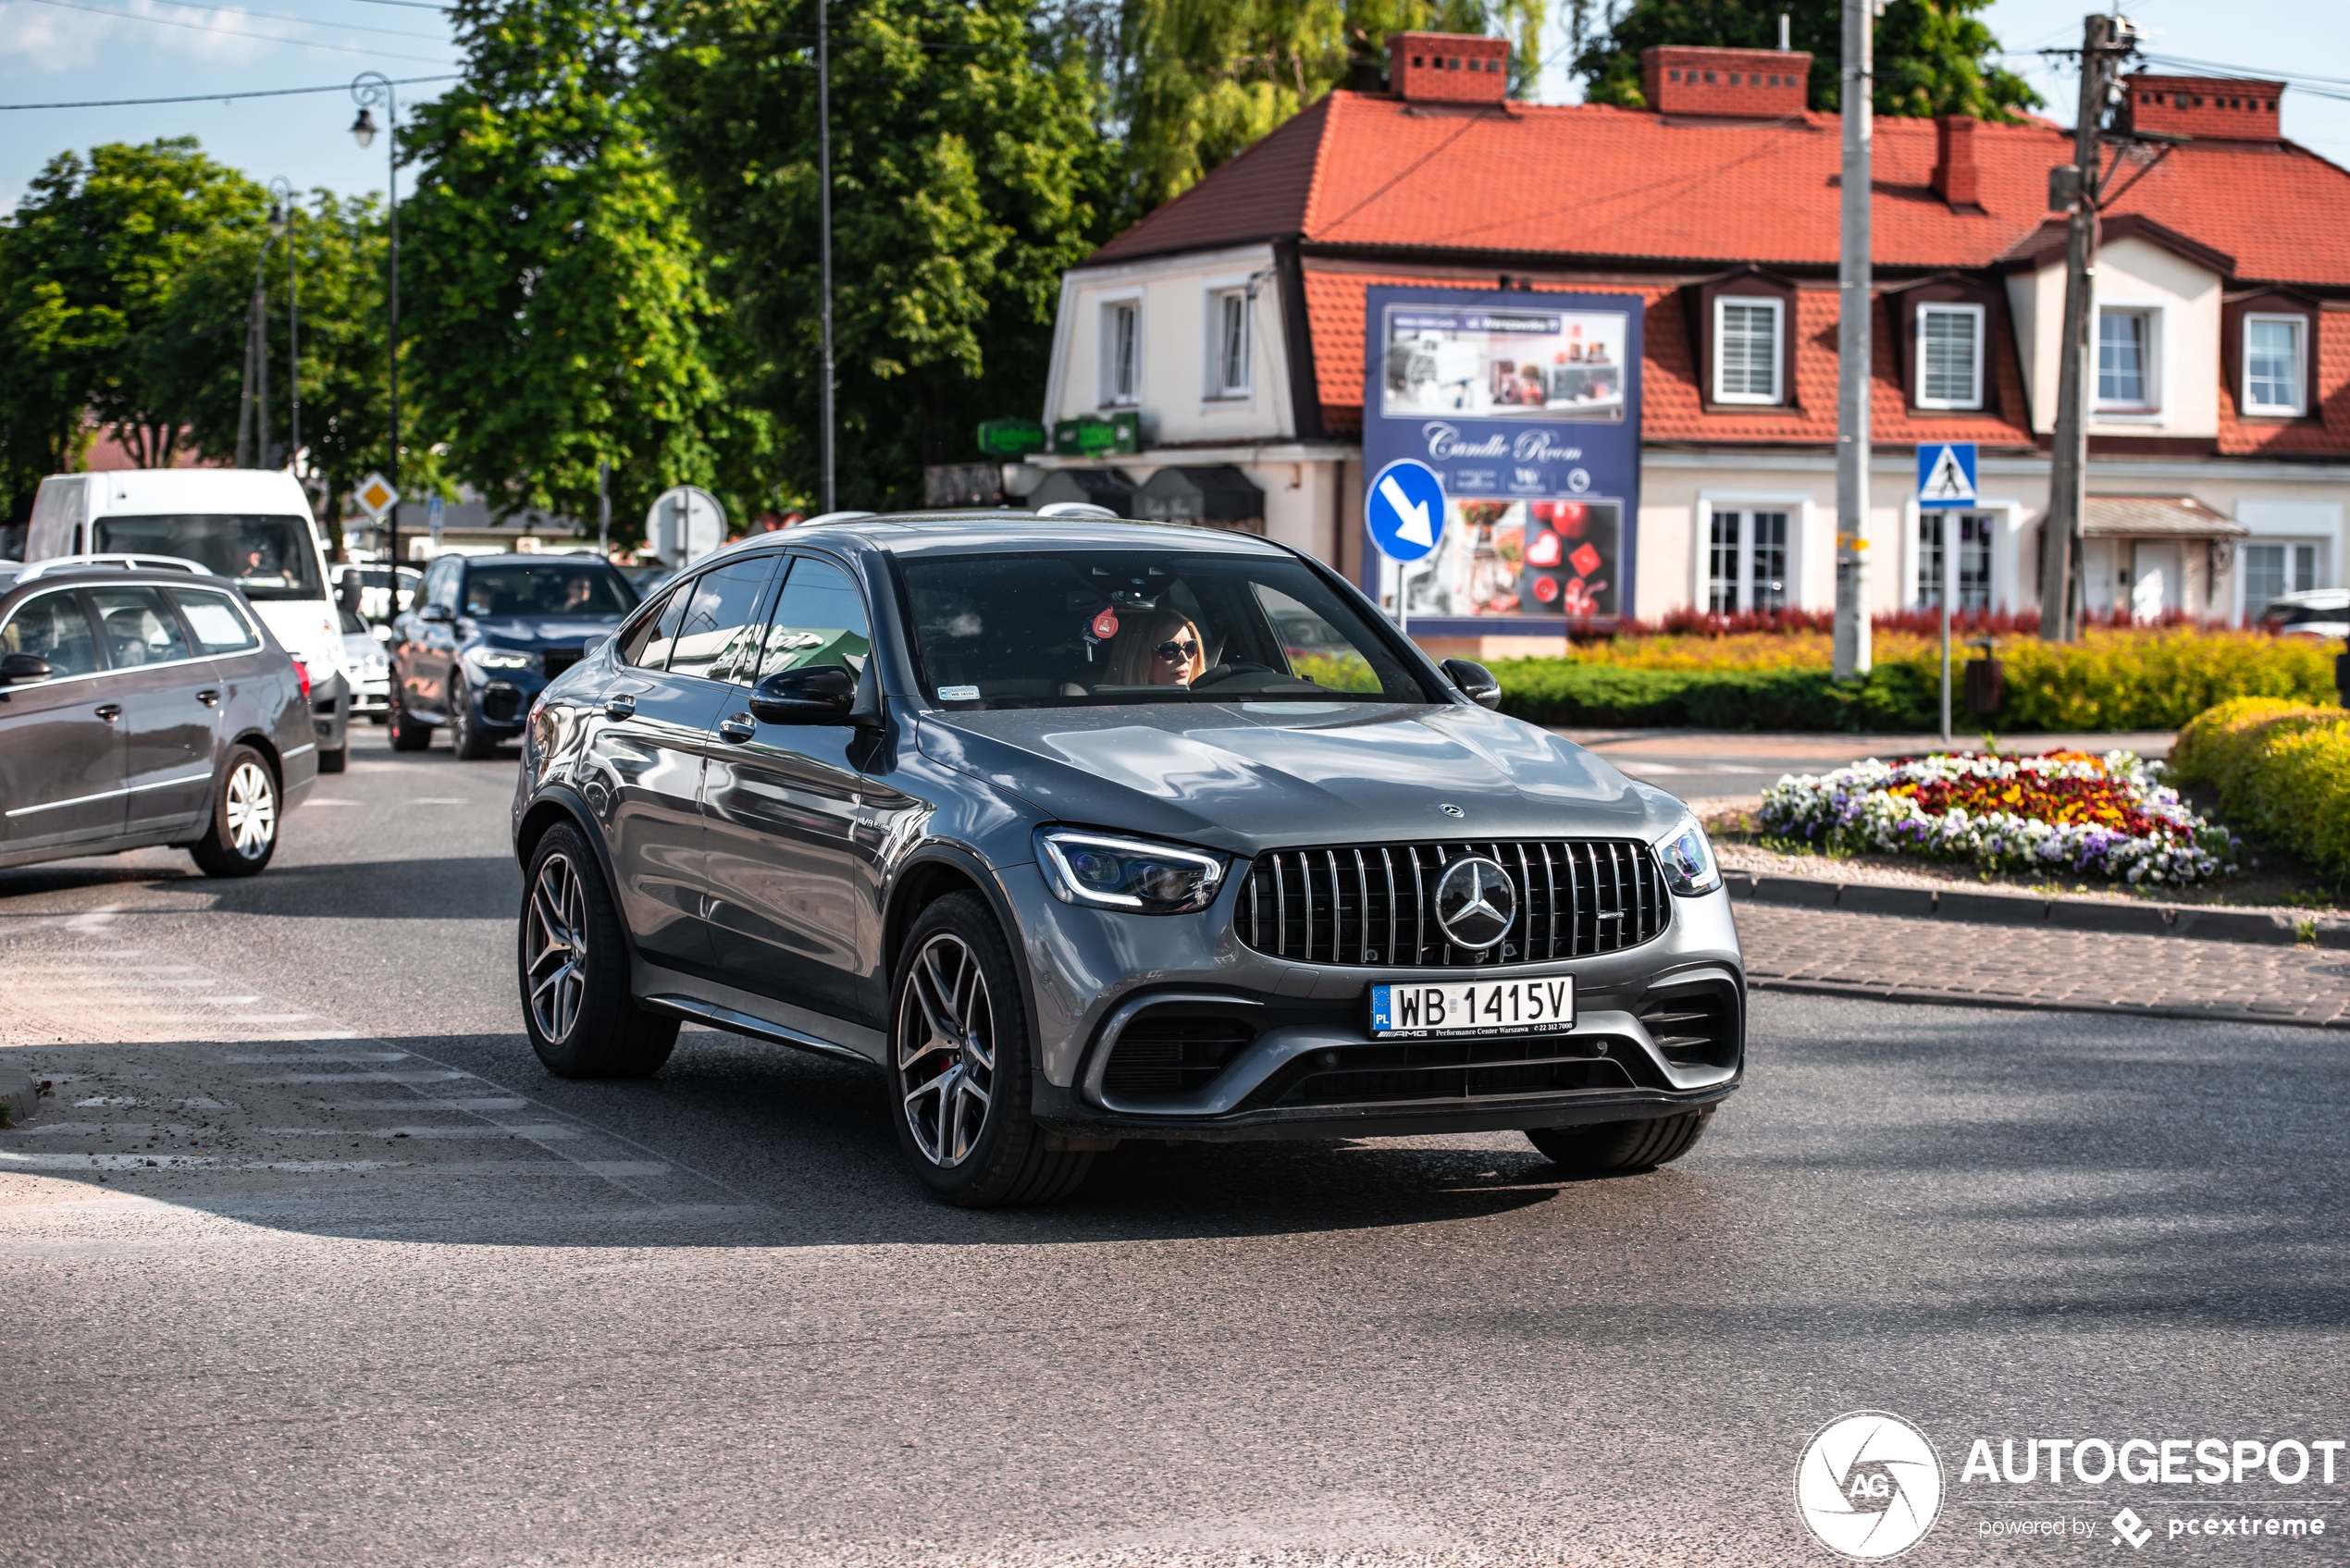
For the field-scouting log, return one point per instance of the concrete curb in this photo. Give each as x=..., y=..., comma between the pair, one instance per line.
x=1922, y=997
x=20, y=1093
x=2194, y=920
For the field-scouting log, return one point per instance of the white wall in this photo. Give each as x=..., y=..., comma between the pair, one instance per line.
x=1174, y=295
x=2185, y=300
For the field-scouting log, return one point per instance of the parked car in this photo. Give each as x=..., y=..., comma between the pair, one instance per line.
x=2322, y=613
x=370, y=587
x=250, y=526
x=139, y=708
x=364, y=656
x=1035, y=816
x=487, y=633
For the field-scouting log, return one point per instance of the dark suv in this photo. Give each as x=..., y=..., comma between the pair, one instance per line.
x=1080, y=830
x=485, y=632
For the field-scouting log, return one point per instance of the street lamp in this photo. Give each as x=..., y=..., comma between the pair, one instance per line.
x=368, y=90
x=281, y=215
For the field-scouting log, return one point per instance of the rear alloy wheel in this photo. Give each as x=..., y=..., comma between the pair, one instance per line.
x=465, y=729
x=573, y=962
x=958, y=1037
x=1623, y=1146
x=244, y=835
x=407, y=734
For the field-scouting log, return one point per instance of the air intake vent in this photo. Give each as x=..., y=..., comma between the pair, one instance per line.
x=1376, y=903
x=1167, y=1052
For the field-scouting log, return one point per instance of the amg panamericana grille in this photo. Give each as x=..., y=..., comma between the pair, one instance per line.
x=1376, y=903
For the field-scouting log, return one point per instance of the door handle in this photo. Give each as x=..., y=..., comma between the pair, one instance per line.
x=109, y=712
x=620, y=708
x=207, y=696
x=738, y=727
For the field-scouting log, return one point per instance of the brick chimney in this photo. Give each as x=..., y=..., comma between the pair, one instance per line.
x=2205, y=107
x=1956, y=180
x=1749, y=83
x=1448, y=68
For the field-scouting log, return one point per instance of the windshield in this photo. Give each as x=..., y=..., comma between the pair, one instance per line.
x=1077, y=628
x=546, y=588
x=2307, y=614
x=267, y=557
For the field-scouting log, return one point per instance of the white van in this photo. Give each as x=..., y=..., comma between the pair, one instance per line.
x=245, y=525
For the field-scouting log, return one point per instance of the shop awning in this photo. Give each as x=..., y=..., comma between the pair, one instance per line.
x=2155, y=517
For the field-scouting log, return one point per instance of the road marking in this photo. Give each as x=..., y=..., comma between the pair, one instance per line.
x=436, y=1076
x=321, y=1056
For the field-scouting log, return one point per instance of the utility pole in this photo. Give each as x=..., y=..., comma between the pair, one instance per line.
x=604, y=507
x=2073, y=190
x=824, y=240
x=253, y=411
x=368, y=88
x=1852, y=347
x=281, y=221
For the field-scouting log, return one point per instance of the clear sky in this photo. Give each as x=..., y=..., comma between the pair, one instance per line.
x=54, y=50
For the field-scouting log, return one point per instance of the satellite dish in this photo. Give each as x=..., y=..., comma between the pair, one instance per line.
x=685, y=525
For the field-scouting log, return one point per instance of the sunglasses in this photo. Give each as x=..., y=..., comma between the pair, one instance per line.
x=1177, y=649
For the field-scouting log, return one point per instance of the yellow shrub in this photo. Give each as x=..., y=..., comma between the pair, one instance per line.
x=2280, y=769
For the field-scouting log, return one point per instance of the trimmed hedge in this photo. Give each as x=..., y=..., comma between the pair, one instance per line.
x=2280, y=769
x=2110, y=681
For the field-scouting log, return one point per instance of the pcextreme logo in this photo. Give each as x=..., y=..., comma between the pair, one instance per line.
x=1868, y=1485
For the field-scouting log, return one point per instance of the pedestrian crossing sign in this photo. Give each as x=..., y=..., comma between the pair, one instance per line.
x=1946, y=475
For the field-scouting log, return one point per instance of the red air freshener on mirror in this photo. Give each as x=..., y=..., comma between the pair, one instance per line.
x=1105, y=625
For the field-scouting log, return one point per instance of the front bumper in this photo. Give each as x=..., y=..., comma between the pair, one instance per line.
x=1124, y=1002
x=330, y=708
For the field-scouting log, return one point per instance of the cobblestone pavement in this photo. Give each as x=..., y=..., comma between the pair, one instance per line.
x=1835, y=953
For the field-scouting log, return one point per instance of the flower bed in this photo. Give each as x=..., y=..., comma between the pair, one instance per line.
x=2067, y=812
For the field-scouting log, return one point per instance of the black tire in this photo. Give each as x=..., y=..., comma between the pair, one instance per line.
x=248, y=807
x=1623, y=1146
x=575, y=1004
x=465, y=731
x=963, y=1036
x=335, y=761
x=407, y=732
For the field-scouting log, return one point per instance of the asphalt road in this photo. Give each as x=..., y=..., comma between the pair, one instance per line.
x=389, y=1294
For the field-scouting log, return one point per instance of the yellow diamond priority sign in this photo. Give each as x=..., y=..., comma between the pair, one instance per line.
x=375, y=493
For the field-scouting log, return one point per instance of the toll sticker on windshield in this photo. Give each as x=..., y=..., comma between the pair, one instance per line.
x=958, y=694
x=1105, y=625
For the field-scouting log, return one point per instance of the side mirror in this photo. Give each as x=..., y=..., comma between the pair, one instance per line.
x=18, y=669
x=1476, y=683
x=592, y=647
x=815, y=694
x=434, y=612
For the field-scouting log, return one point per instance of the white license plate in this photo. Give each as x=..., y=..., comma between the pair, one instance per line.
x=1428, y=1011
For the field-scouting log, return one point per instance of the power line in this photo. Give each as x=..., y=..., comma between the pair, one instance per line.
x=217, y=97
x=234, y=33
x=312, y=21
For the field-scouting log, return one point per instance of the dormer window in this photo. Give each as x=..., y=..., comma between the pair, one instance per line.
x=1747, y=355
x=2126, y=359
x=1228, y=370
x=1950, y=356
x=2274, y=364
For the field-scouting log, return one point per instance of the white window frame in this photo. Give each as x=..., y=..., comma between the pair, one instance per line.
x=1778, y=349
x=2300, y=405
x=2152, y=315
x=1799, y=509
x=1219, y=389
x=1982, y=326
x=1106, y=383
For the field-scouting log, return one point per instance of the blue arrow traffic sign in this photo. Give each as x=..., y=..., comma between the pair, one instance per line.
x=1946, y=476
x=1405, y=506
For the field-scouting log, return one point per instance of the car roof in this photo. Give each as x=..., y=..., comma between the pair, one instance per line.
x=2315, y=598
x=1009, y=530
x=114, y=576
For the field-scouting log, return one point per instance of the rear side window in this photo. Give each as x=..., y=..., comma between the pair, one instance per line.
x=219, y=625
x=53, y=627
x=647, y=645
x=140, y=628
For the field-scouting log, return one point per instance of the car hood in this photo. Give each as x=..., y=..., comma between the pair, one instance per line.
x=1251, y=776
x=519, y=630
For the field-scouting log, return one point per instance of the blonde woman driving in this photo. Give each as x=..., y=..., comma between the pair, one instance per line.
x=1158, y=648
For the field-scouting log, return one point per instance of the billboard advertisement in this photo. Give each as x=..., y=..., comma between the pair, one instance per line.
x=1526, y=407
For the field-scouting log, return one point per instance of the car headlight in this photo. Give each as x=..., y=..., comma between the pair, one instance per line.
x=1688, y=859
x=501, y=659
x=1127, y=873
x=375, y=666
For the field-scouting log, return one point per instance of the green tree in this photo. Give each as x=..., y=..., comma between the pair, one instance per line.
x=1933, y=56
x=88, y=265
x=556, y=302
x=1204, y=79
x=969, y=169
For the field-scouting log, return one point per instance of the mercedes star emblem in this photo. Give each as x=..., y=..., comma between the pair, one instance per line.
x=1476, y=904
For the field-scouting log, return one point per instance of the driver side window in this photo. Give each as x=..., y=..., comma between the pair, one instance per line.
x=819, y=619
x=441, y=582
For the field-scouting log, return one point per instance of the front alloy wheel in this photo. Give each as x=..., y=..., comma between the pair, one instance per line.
x=555, y=948
x=947, y=1051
